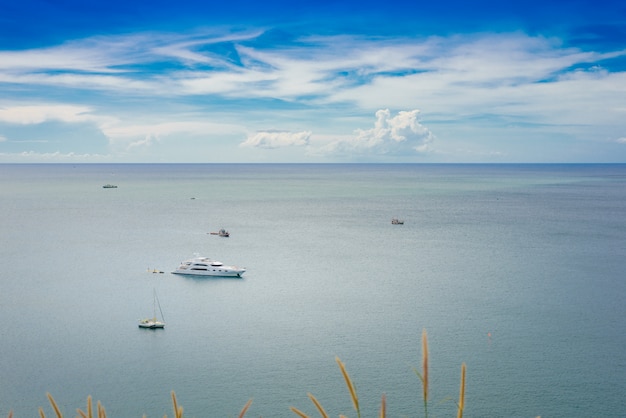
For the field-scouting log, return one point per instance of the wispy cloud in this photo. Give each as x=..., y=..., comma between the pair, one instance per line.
x=33, y=156
x=151, y=86
x=35, y=114
x=329, y=69
x=130, y=136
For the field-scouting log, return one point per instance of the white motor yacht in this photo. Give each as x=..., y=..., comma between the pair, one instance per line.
x=204, y=266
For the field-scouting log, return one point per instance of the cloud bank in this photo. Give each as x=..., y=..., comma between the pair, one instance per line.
x=277, y=139
x=398, y=135
x=485, y=94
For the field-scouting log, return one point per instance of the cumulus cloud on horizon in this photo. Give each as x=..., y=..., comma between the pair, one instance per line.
x=277, y=139
x=401, y=134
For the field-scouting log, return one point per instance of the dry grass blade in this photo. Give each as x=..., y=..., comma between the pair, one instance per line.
x=175, y=403
x=383, y=407
x=89, y=406
x=178, y=410
x=54, y=406
x=245, y=408
x=462, y=392
x=317, y=405
x=424, y=375
x=89, y=413
x=41, y=414
x=355, y=399
x=298, y=412
x=101, y=412
x=425, y=364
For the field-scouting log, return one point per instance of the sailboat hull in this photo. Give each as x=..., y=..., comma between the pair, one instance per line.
x=151, y=324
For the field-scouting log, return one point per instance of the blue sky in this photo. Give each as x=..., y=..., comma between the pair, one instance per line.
x=343, y=81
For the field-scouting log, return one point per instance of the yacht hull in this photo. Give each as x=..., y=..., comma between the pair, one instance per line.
x=236, y=273
x=203, y=266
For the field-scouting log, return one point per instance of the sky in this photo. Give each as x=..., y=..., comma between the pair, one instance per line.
x=445, y=81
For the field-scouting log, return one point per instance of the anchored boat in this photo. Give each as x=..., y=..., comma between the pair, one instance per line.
x=204, y=266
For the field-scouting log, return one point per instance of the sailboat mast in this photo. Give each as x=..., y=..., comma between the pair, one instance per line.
x=154, y=304
x=156, y=298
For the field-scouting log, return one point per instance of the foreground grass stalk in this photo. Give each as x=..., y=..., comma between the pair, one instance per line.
x=351, y=388
x=101, y=412
x=89, y=413
x=178, y=410
x=298, y=412
x=54, y=406
x=383, y=407
x=89, y=405
x=317, y=405
x=425, y=370
x=424, y=375
x=245, y=408
x=462, y=392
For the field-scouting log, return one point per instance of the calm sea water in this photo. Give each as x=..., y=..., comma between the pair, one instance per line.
x=516, y=270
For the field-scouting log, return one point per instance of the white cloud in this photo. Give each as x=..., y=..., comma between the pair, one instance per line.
x=372, y=73
x=182, y=48
x=35, y=114
x=277, y=139
x=128, y=136
x=33, y=156
x=621, y=140
x=131, y=133
x=147, y=141
x=172, y=85
x=401, y=134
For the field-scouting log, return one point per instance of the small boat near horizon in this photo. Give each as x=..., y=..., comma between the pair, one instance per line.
x=153, y=323
x=396, y=221
x=109, y=186
x=204, y=266
x=222, y=233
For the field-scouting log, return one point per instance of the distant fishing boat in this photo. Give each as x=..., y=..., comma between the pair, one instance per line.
x=222, y=233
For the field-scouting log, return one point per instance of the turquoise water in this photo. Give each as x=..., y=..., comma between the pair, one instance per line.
x=516, y=270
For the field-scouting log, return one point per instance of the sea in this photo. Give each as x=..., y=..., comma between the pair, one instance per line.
x=517, y=271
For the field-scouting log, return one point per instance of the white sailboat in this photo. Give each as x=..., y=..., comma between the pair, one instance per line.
x=153, y=323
